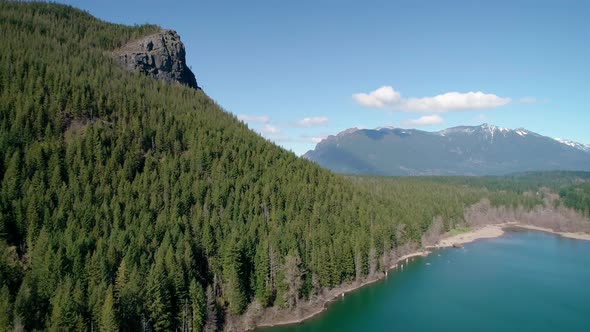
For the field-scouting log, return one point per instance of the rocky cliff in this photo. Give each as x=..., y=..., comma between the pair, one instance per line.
x=161, y=55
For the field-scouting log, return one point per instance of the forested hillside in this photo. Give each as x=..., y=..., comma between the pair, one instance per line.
x=129, y=203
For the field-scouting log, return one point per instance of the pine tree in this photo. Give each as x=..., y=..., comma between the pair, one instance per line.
x=263, y=287
x=199, y=306
x=233, y=271
x=5, y=309
x=108, y=320
x=158, y=299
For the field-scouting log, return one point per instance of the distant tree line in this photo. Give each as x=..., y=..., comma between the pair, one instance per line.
x=577, y=197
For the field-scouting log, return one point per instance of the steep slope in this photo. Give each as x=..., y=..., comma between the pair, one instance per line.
x=465, y=150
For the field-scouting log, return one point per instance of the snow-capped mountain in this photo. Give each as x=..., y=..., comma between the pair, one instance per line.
x=465, y=150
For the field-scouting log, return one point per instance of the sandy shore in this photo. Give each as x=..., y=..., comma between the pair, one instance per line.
x=493, y=231
x=309, y=310
x=577, y=236
x=486, y=232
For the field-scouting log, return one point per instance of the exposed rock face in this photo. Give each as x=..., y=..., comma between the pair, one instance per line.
x=161, y=56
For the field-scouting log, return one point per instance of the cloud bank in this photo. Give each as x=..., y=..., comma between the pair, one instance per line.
x=386, y=97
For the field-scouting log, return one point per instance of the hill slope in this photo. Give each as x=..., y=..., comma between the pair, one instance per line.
x=477, y=150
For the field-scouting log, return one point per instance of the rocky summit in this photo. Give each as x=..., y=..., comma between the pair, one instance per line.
x=161, y=55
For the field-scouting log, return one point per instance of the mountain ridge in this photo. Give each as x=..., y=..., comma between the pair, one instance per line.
x=477, y=150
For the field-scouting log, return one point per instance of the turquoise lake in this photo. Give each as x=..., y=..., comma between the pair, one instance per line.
x=522, y=281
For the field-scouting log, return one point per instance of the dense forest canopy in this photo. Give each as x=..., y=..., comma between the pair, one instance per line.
x=128, y=203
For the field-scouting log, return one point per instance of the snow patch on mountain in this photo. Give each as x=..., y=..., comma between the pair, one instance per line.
x=385, y=128
x=491, y=129
x=576, y=145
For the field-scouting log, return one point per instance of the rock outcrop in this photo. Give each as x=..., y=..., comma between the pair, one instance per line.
x=161, y=56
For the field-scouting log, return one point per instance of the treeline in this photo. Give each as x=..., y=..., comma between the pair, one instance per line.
x=577, y=197
x=519, y=182
x=127, y=203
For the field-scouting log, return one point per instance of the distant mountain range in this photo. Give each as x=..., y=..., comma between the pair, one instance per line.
x=465, y=150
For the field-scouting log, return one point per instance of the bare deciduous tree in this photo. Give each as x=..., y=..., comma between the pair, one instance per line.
x=434, y=232
x=211, y=324
x=293, y=279
x=372, y=261
x=547, y=215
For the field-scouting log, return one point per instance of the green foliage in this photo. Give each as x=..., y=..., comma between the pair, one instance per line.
x=159, y=299
x=577, y=197
x=233, y=272
x=128, y=298
x=108, y=321
x=263, y=278
x=459, y=230
x=6, y=309
x=123, y=197
x=198, y=306
x=67, y=303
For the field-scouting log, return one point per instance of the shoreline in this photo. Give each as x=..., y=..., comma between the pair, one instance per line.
x=340, y=291
x=497, y=230
x=484, y=232
x=570, y=235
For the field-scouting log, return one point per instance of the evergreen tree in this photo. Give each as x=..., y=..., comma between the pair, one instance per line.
x=6, y=307
x=233, y=271
x=108, y=320
x=199, y=306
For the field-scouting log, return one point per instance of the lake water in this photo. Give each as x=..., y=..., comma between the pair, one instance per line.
x=522, y=281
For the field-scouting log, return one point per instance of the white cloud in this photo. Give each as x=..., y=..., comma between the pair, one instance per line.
x=269, y=129
x=426, y=120
x=455, y=101
x=386, y=97
x=313, y=121
x=253, y=118
x=380, y=98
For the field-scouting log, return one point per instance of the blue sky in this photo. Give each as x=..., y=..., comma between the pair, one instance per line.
x=300, y=70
